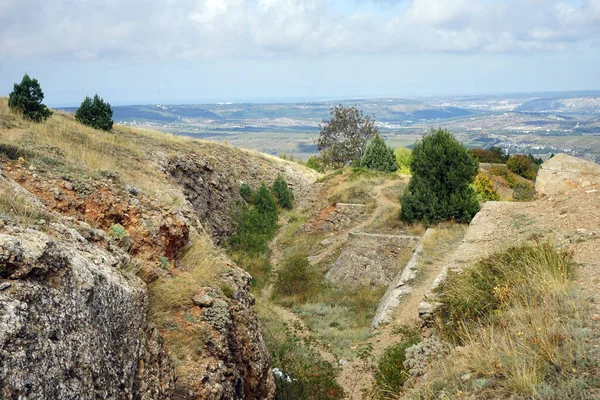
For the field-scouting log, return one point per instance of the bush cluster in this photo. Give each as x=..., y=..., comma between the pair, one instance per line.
x=296, y=277
x=378, y=156
x=257, y=217
x=256, y=224
x=522, y=165
x=440, y=186
x=315, y=163
x=485, y=188
x=486, y=156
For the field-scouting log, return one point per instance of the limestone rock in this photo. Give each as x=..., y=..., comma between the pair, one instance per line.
x=563, y=173
x=71, y=326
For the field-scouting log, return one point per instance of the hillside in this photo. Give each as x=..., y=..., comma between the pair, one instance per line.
x=110, y=269
x=118, y=278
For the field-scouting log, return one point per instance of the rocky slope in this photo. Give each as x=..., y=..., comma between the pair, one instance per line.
x=76, y=320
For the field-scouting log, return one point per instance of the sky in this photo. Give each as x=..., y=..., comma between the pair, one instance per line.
x=207, y=51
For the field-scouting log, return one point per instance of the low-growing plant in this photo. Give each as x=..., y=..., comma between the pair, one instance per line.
x=315, y=163
x=117, y=231
x=485, y=188
x=509, y=177
x=479, y=292
x=523, y=191
x=391, y=372
x=296, y=278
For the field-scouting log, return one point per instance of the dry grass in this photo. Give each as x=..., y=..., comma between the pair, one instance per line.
x=171, y=306
x=524, y=331
x=18, y=207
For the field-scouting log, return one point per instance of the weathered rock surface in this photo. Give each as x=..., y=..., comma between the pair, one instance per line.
x=370, y=259
x=400, y=286
x=211, y=184
x=563, y=173
x=71, y=325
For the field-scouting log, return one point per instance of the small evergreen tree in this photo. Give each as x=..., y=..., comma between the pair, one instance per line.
x=26, y=98
x=379, y=156
x=265, y=206
x=95, y=113
x=282, y=193
x=440, y=186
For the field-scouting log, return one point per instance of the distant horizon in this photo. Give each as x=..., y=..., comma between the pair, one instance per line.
x=300, y=100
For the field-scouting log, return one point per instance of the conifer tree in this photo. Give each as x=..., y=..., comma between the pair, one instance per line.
x=26, y=98
x=95, y=113
x=379, y=156
x=440, y=186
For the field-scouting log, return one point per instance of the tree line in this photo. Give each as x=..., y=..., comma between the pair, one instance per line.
x=27, y=97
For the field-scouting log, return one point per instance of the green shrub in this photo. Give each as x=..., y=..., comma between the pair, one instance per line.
x=485, y=188
x=391, y=373
x=509, y=177
x=379, y=156
x=304, y=374
x=315, y=163
x=523, y=191
x=256, y=224
x=296, y=277
x=26, y=99
x=440, y=186
x=521, y=165
x=486, y=156
x=403, y=158
x=282, y=193
x=118, y=231
x=95, y=113
x=246, y=192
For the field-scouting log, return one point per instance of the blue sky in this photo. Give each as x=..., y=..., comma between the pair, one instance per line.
x=196, y=51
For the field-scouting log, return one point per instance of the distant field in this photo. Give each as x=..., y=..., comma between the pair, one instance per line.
x=540, y=123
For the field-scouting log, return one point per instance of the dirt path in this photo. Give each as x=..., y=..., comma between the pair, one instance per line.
x=356, y=374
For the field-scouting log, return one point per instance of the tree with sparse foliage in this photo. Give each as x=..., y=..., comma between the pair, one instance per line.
x=343, y=139
x=95, y=113
x=282, y=193
x=379, y=156
x=440, y=187
x=26, y=99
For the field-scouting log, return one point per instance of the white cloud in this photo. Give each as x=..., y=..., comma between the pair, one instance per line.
x=171, y=29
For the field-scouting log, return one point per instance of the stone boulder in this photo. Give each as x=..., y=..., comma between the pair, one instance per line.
x=72, y=326
x=563, y=173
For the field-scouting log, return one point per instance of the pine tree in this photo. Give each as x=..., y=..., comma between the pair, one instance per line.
x=26, y=98
x=440, y=186
x=282, y=193
x=95, y=113
x=379, y=156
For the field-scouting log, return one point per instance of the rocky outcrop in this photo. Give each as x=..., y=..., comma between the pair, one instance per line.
x=71, y=325
x=211, y=184
x=563, y=173
x=213, y=195
x=370, y=259
x=400, y=286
